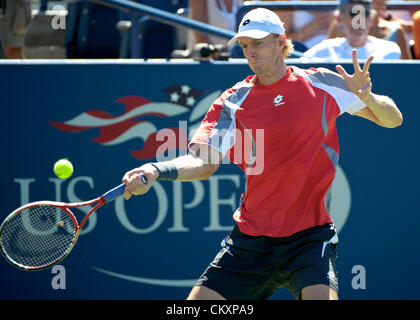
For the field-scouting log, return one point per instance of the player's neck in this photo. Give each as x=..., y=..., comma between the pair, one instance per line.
x=266, y=79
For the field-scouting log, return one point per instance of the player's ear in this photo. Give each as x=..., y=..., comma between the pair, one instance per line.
x=282, y=40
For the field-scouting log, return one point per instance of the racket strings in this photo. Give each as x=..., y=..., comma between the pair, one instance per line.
x=37, y=236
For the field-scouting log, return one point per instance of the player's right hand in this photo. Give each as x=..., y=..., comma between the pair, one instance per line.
x=133, y=182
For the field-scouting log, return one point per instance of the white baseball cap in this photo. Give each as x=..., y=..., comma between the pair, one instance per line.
x=258, y=23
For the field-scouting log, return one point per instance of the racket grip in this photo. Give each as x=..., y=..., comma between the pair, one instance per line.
x=119, y=191
x=114, y=193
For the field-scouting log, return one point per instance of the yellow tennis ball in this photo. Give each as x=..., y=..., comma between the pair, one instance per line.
x=63, y=168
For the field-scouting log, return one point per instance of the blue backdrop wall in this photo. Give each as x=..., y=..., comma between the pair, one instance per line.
x=105, y=116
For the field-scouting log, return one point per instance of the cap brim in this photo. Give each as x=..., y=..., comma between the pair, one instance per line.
x=255, y=34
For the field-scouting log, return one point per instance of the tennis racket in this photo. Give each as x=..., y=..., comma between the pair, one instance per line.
x=41, y=234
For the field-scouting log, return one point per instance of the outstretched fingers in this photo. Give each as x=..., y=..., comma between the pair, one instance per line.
x=367, y=65
x=342, y=72
x=356, y=64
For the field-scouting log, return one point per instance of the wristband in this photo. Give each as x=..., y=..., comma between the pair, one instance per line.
x=167, y=170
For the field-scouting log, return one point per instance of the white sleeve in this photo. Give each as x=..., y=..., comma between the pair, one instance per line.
x=356, y=106
x=335, y=85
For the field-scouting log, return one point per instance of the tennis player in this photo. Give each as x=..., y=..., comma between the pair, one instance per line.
x=283, y=234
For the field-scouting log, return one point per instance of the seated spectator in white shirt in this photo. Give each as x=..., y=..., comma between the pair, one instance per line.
x=355, y=18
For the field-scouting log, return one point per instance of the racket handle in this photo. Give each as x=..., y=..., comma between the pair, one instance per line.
x=119, y=191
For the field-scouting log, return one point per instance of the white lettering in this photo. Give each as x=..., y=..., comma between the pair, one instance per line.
x=71, y=196
x=58, y=281
x=162, y=202
x=172, y=310
x=167, y=150
x=216, y=202
x=59, y=20
x=231, y=309
x=186, y=195
x=25, y=198
x=359, y=20
x=183, y=138
x=359, y=280
x=24, y=189
x=179, y=203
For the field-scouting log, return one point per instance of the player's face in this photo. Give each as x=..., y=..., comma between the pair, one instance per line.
x=263, y=55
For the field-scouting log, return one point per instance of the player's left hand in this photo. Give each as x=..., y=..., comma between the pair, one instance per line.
x=359, y=82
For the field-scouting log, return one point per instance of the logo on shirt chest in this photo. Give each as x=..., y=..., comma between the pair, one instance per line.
x=278, y=101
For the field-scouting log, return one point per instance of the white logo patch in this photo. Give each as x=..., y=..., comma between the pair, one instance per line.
x=278, y=101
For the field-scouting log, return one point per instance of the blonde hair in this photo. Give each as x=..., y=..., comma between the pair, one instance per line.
x=288, y=48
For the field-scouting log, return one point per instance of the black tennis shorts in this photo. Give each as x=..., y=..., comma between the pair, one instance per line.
x=254, y=268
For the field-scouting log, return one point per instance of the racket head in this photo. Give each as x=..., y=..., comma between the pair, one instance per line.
x=38, y=235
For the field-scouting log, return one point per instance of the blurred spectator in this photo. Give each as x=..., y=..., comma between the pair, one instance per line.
x=416, y=34
x=14, y=21
x=306, y=27
x=402, y=17
x=383, y=28
x=219, y=13
x=356, y=18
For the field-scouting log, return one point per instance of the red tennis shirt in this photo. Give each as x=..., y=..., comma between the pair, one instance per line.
x=283, y=136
